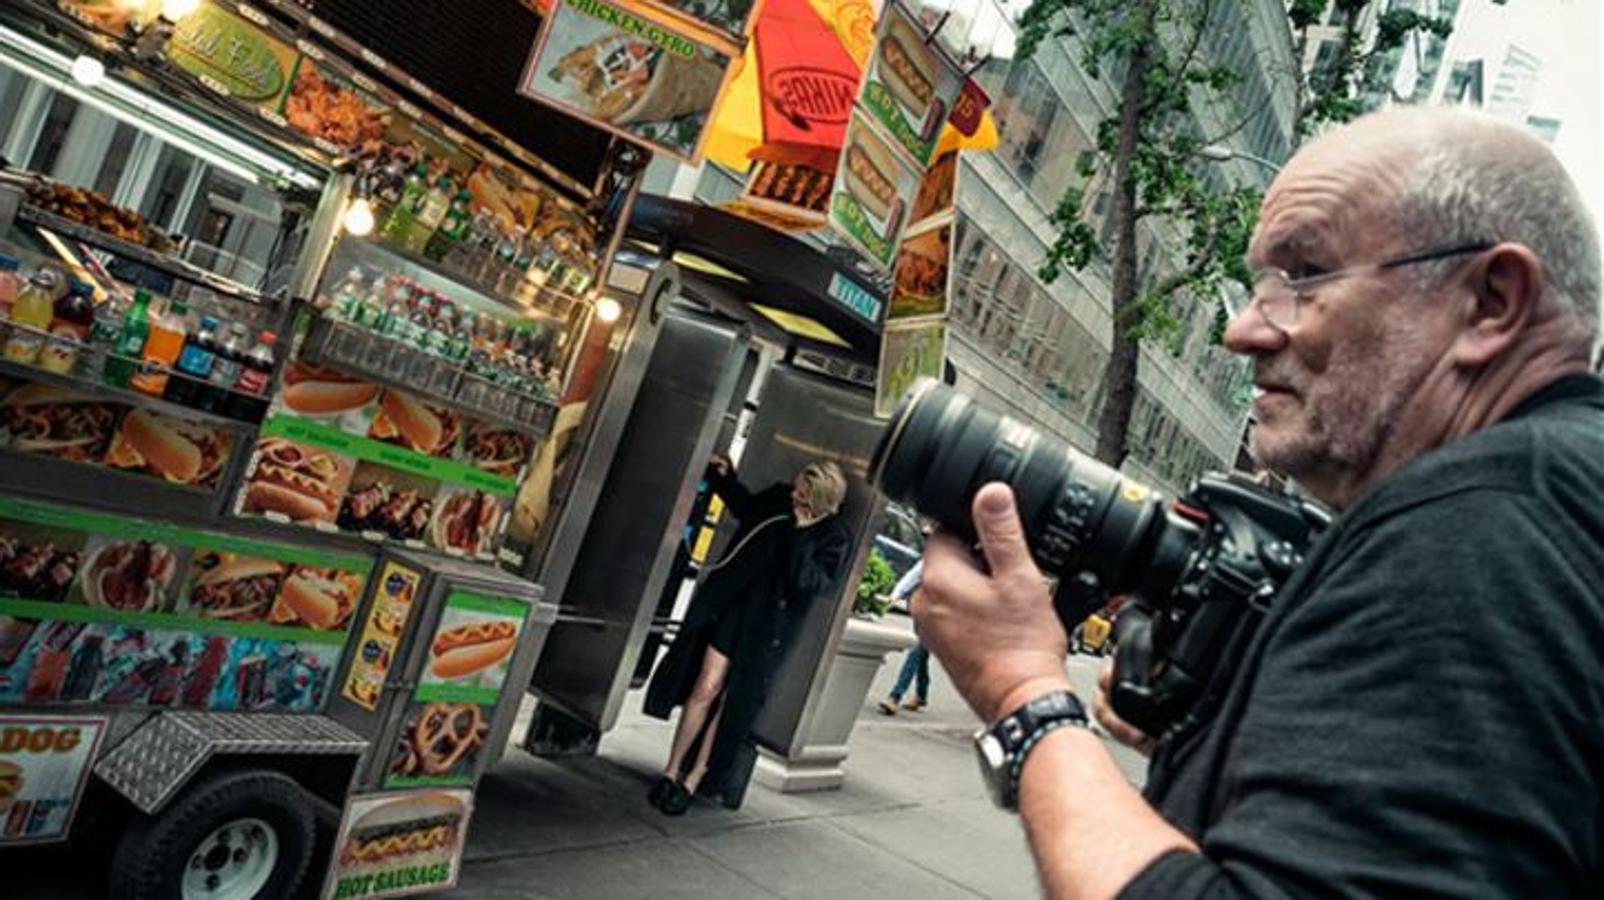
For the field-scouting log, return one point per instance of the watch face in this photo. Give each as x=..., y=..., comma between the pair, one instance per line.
x=993, y=766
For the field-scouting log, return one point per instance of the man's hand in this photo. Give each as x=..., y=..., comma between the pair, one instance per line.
x=995, y=632
x=1117, y=728
x=721, y=464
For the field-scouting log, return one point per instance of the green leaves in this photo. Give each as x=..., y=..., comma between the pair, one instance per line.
x=877, y=581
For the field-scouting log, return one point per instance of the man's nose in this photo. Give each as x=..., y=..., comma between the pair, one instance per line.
x=1250, y=333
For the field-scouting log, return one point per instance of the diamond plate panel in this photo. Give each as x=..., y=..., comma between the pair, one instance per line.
x=159, y=758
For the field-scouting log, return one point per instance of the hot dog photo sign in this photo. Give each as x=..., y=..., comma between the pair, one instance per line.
x=910, y=85
x=873, y=190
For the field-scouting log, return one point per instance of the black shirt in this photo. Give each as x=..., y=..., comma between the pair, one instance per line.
x=1422, y=710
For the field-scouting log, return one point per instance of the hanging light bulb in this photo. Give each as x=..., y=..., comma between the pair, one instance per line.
x=358, y=218
x=176, y=10
x=87, y=70
x=608, y=310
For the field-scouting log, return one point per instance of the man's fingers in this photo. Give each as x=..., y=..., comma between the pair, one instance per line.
x=1002, y=537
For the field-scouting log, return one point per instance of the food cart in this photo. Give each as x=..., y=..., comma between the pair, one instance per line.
x=254, y=509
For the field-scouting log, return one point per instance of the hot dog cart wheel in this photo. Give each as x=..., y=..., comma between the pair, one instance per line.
x=153, y=763
x=233, y=835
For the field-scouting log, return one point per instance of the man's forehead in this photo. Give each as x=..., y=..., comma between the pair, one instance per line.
x=1299, y=234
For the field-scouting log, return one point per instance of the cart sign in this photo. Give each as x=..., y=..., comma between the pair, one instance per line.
x=908, y=351
x=391, y=845
x=910, y=86
x=445, y=727
x=44, y=764
x=873, y=190
x=381, y=633
x=619, y=69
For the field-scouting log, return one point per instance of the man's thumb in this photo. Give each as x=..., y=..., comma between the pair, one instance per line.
x=1002, y=537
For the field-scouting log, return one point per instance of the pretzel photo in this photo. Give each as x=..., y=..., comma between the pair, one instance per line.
x=441, y=737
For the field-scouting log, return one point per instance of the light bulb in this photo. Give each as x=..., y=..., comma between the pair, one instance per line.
x=87, y=70
x=358, y=218
x=608, y=310
x=175, y=10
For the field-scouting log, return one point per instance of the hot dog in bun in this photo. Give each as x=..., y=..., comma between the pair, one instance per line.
x=869, y=171
x=474, y=647
x=417, y=828
x=321, y=391
x=906, y=67
x=407, y=421
x=174, y=449
x=320, y=598
x=303, y=483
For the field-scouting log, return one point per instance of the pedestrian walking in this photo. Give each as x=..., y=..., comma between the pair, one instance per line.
x=788, y=553
x=916, y=665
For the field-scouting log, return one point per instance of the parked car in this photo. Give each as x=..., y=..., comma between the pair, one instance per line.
x=901, y=542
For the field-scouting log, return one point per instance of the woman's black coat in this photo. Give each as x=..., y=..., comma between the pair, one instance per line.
x=772, y=574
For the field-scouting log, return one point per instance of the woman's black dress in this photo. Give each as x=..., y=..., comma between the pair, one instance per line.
x=749, y=605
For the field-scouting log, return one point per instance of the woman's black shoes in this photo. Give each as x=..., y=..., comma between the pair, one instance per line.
x=676, y=800
x=659, y=790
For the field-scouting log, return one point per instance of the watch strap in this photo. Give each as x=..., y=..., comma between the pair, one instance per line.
x=1021, y=730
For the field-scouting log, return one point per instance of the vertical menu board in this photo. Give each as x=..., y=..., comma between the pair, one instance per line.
x=464, y=672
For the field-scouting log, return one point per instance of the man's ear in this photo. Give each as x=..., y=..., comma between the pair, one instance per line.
x=1505, y=284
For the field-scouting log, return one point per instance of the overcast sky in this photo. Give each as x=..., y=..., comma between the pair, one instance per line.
x=1567, y=35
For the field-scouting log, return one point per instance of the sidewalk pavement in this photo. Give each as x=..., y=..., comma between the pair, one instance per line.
x=913, y=820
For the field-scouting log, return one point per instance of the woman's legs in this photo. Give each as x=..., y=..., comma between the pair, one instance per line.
x=699, y=771
x=709, y=684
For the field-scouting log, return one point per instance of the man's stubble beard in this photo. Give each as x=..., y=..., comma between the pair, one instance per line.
x=1346, y=427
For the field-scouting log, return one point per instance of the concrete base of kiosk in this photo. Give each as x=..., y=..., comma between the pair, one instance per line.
x=817, y=763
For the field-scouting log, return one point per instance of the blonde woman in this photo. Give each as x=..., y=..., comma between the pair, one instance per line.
x=787, y=555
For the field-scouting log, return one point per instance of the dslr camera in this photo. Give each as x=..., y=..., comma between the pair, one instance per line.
x=1201, y=569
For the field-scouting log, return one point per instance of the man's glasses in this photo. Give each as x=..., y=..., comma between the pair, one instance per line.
x=1280, y=297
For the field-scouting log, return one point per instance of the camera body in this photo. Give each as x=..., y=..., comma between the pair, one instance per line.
x=1202, y=568
x=1246, y=542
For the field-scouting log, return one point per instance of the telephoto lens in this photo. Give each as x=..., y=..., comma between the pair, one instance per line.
x=1097, y=531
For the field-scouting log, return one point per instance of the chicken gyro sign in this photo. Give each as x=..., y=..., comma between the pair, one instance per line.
x=617, y=67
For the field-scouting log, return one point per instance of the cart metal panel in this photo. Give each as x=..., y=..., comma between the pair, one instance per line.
x=160, y=757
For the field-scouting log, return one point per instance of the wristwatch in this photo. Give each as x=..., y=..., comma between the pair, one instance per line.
x=1002, y=747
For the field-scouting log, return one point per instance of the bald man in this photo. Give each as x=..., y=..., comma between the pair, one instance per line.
x=1421, y=712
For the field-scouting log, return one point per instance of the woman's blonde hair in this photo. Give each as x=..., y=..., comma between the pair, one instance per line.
x=826, y=487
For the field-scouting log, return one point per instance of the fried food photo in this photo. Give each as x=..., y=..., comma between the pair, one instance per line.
x=236, y=588
x=500, y=451
x=54, y=421
x=465, y=522
x=132, y=576
x=35, y=568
